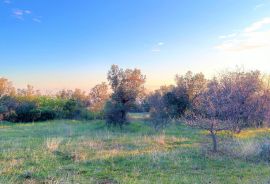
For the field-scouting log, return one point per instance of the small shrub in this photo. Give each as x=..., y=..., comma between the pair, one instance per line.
x=115, y=113
x=12, y=117
x=27, y=112
x=86, y=114
x=265, y=151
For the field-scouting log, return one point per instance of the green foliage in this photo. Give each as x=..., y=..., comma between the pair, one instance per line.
x=115, y=113
x=265, y=151
x=175, y=105
x=47, y=114
x=71, y=109
x=27, y=112
x=43, y=108
x=127, y=86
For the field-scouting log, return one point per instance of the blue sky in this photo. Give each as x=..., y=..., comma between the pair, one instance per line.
x=54, y=44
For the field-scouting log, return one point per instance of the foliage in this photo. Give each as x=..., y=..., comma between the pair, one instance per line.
x=190, y=85
x=47, y=114
x=175, y=105
x=115, y=113
x=265, y=151
x=6, y=88
x=7, y=106
x=27, y=112
x=238, y=97
x=98, y=97
x=159, y=114
x=127, y=87
x=42, y=108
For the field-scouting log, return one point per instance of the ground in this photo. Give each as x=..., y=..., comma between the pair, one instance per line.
x=88, y=152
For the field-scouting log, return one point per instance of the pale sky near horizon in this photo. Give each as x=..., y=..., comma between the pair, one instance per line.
x=55, y=44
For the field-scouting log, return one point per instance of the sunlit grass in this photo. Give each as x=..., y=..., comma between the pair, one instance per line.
x=89, y=152
x=249, y=133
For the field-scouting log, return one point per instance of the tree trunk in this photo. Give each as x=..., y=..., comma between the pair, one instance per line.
x=214, y=139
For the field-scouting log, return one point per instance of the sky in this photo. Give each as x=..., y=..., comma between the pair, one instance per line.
x=55, y=44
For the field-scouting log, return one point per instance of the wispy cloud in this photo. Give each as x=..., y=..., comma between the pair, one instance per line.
x=252, y=37
x=258, y=25
x=38, y=20
x=228, y=36
x=157, y=47
x=160, y=43
x=20, y=14
x=258, y=6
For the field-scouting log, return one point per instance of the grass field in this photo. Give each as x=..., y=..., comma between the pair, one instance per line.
x=89, y=152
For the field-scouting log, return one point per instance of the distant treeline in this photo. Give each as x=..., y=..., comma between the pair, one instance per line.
x=240, y=97
x=231, y=100
x=29, y=105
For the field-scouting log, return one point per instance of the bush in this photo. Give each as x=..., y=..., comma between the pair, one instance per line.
x=7, y=106
x=115, y=113
x=86, y=114
x=265, y=151
x=72, y=109
x=12, y=117
x=27, y=112
x=46, y=114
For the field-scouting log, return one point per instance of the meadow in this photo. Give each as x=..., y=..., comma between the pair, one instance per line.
x=69, y=151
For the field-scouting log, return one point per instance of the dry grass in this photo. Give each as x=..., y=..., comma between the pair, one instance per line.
x=160, y=140
x=49, y=153
x=30, y=181
x=79, y=155
x=252, y=133
x=96, y=145
x=10, y=165
x=52, y=144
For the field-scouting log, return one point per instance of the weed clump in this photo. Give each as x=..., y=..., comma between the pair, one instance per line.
x=265, y=151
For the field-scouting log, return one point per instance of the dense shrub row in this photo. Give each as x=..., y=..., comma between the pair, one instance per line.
x=28, y=105
x=17, y=109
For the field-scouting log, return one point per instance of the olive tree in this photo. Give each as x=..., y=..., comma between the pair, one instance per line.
x=208, y=112
x=166, y=105
x=127, y=87
x=231, y=101
x=243, y=95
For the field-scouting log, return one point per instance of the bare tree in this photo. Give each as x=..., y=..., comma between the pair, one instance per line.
x=232, y=101
x=28, y=92
x=212, y=125
x=65, y=94
x=208, y=112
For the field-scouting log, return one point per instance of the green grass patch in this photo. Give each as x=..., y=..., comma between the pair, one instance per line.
x=89, y=152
